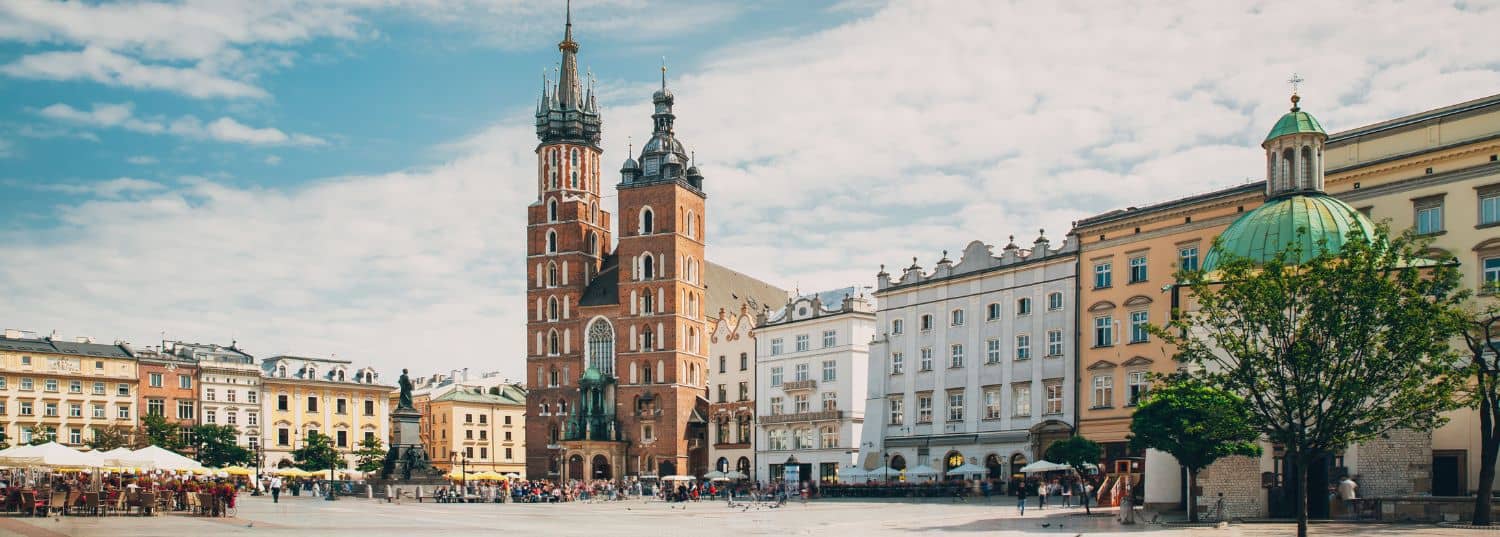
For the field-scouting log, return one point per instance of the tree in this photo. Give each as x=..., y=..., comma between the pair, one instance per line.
x=318, y=453
x=1329, y=352
x=214, y=446
x=41, y=435
x=1481, y=336
x=370, y=456
x=1078, y=452
x=110, y=437
x=155, y=430
x=1195, y=423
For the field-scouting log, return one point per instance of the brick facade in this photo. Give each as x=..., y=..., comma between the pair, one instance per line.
x=1398, y=463
x=1238, y=479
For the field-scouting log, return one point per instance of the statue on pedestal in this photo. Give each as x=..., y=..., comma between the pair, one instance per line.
x=405, y=401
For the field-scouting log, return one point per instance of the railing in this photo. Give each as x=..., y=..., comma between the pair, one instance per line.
x=648, y=413
x=808, y=384
x=821, y=415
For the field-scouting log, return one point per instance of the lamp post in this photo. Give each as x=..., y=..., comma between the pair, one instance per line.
x=260, y=460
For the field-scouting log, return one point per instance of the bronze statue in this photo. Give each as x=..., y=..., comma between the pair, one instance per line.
x=405, y=402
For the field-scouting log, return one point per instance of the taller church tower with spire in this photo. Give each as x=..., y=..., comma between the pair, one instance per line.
x=617, y=337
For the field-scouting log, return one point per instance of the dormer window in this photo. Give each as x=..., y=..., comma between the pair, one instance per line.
x=341, y=375
x=281, y=371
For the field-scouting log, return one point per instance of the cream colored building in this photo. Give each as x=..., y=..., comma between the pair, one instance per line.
x=479, y=428
x=300, y=395
x=66, y=389
x=731, y=392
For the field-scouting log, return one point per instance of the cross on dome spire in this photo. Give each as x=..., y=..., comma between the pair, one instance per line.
x=1296, y=82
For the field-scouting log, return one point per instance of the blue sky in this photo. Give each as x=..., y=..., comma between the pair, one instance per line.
x=349, y=177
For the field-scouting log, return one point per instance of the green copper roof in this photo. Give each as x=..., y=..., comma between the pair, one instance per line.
x=1260, y=234
x=1293, y=122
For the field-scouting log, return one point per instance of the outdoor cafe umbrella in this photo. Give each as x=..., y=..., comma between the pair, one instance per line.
x=969, y=468
x=52, y=454
x=160, y=459
x=123, y=457
x=513, y=475
x=678, y=478
x=922, y=471
x=884, y=472
x=1044, y=466
x=487, y=476
x=714, y=475
x=852, y=473
x=736, y=474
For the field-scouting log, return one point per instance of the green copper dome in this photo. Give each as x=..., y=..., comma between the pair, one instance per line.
x=1294, y=122
x=592, y=375
x=1260, y=234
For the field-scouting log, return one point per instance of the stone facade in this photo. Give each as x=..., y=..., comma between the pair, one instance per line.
x=1238, y=479
x=1398, y=463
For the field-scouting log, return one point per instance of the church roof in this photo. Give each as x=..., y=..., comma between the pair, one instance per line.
x=728, y=288
x=1294, y=122
x=604, y=290
x=1264, y=232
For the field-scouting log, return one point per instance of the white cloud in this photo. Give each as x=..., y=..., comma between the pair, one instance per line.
x=825, y=154
x=224, y=129
x=111, y=189
x=142, y=160
x=112, y=69
x=272, y=160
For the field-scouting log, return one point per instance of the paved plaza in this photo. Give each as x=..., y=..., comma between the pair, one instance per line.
x=363, y=518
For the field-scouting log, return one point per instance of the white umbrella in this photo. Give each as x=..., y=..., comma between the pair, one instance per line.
x=968, y=468
x=51, y=454
x=922, y=471
x=713, y=475
x=852, y=473
x=162, y=459
x=513, y=475
x=678, y=478
x=882, y=472
x=736, y=474
x=122, y=457
x=1043, y=466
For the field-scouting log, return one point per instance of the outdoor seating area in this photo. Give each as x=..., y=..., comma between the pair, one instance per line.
x=54, y=480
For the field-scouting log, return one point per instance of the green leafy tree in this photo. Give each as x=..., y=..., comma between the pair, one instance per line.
x=110, y=437
x=1480, y=324
x=155, y=430
x=1329, y=352
x=317, y=454
x=370, y=455
x=214, y=446
x=41, y=435
x=1195, y=423
x=1078, y=452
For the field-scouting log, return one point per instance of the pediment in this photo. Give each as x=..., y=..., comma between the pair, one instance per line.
x=1102, y=305
x=1491, y=244
x=1137, y=361
x=1102, y=364
x=1138, y=300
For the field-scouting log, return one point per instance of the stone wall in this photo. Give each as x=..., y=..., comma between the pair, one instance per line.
x=1398, y=463
x=1238, y=478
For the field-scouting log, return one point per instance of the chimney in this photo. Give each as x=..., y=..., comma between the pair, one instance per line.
x=466, y=374
x=11, y=333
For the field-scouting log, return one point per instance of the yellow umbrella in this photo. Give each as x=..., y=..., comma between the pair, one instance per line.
x=457, y=475
x=487, y=476
x=291, y=472
x=237, y=470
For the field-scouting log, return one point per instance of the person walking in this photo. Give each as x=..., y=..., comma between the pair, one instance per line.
x=1041, y=495
x=1067, y=494
x=1347, y=493
x=275, y=489
x=1021, y=499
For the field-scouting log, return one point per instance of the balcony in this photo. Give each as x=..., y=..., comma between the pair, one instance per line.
x=799, y=385
x=821, y=415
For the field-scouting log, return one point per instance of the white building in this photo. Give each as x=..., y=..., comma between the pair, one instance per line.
x=974, y=362
x=731, y=393
x=228, y=387
x=811, y=358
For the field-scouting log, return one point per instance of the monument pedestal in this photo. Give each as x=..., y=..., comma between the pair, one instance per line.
x=407, y=470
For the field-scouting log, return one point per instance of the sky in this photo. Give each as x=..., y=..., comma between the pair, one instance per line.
x=349, y=178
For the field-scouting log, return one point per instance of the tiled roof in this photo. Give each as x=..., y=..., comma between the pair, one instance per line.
x=45, y=345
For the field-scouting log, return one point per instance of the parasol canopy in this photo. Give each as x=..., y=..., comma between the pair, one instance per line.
x=969, y=468
x=1044, y=466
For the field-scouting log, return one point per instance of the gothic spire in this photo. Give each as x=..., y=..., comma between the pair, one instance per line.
x=568, y=114
x=567, y=81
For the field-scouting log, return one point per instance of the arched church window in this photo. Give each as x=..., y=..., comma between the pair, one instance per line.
x=574, y=180
x=593, y=244
x=552, y=274
x=1288, y=169
x=648, y=223
x=646, y=303
x=554, y=346
x=551, y=210
x=552, y=308
x=648, y=267
x=646, y=374
x=648, y=340
x=1307, y=168
x=551, y=241
x=691, y=226
x=601, y=347
x=575, y=157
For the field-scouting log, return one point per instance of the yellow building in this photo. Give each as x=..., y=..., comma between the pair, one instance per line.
x=479, y=428
x=1436, y=171
x=301, y=395
x=64, y=389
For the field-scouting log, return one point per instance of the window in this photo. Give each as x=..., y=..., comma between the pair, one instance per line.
x=925, y=322
x=1023, y=347
x=801, y=342
x=744, y=361
x=1101, y=275
x=776, y=345
x=341, y=406
x=897, y=326
x=1187, y=258
x=992, y=351
x=830, y=370
x=156, y=407
x=229, y=395
x=956, y=405
x=1023, y=306
x=897, y=414
x=75, y=410
x=185, y=382
x=1136, y=384
x=1138, y=324
x=98, y=411
x=648, y=224
x=369, y=407
x=723, y=364
x=154, y=379
x=1054, y=397
x=1489, y=206
x=1104, y=391
x=98, y=388
x=723, y=394
x=776, y=376
x=744, y=391
x=956, y=317
x=75, y=436
x=776, y=406
x=25, y=360
x=802, y=372
x=1054, y=343
x=27, y=384
x=830, y=401
x=283, y=437
x=924, y=408
x=1104, y=331
x=26, y=409
x=185, y=411
x=51, y=385
x=312, y=403
x=49, y=410
x=1429, y=215
x=75, y=386
x=1022, y=395
x=208, y=394
x=252, y=419
x=1492, y=274
x=208, y=415
x=830, y=338
x=992, y=403
x=956, y=355
x=123, y=412
x=1054, y=301
x=898, y=363
x=926, y=364
x=3, y=383
x=1138, y=269
x=800, y=404
x=281, y=403
x=343, y=440
x=992, y=312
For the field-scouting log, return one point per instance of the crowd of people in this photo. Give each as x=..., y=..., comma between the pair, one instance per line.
x=40, y=492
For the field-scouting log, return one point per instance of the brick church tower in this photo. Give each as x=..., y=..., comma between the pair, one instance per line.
x=617, y=337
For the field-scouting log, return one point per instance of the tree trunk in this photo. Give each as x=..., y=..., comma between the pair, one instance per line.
x=1302, y=462
x=1192, y=495
x=1489, y=446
